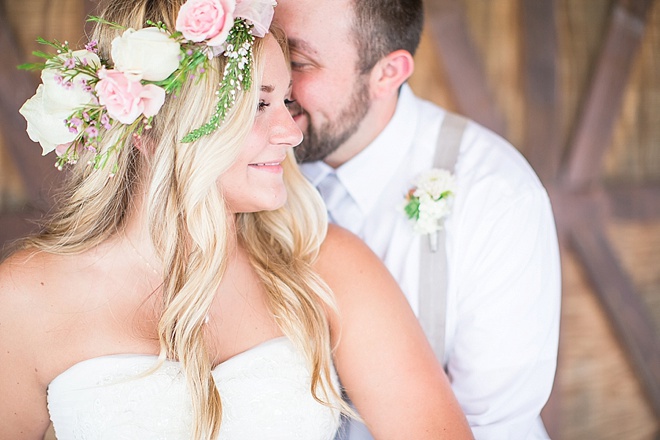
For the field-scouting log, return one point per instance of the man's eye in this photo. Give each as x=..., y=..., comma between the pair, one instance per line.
x=289, y=102
x=298, y=65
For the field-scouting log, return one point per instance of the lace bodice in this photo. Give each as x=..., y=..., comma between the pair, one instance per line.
x=265, y=395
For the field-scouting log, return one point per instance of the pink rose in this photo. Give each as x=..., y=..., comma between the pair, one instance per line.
x=126, y=98
x=209, y=20
x=61, y=149
x=258, y=12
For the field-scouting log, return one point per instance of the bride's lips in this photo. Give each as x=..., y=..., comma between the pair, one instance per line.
x=271, y=167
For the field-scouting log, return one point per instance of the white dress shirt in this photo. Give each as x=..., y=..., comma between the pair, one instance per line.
x=503, y=295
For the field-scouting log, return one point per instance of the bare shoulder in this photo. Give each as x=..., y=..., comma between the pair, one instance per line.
x=379, y=341
x=353, y=271
x=344, y=254
x=26, y=302
x=36, y=297
x=19, y=276
x=25, y=350
x=34, y=277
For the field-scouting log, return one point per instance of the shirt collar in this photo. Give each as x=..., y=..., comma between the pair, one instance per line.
x=381, y=158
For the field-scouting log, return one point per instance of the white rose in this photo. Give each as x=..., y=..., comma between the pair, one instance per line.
x=436, y=181
x=425, y=224
x=44, y=126
x=53, y=103
x=148, y=53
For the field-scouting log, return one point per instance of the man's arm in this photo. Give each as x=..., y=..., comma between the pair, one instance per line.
x=502, y=357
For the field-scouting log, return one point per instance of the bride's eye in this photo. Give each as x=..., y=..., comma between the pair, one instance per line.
x=262, y=105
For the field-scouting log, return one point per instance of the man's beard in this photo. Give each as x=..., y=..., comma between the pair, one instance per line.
x=320, y=142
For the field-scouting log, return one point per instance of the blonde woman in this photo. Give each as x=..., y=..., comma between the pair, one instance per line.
x=188, y=285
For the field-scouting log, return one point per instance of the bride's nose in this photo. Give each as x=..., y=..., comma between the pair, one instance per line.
x=285, y=131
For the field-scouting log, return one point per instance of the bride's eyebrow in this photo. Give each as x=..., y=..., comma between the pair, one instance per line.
x=267, y=88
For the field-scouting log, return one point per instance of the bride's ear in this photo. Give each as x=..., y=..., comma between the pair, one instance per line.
x=390, y=72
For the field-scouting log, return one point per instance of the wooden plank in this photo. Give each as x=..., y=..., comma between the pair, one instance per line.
x=629, y=316
x=90, y=8
x=14, y=226
x=635, y=202
x=604, y=97
x=541, y=91
x=16, y=87
x=465, y=72
x=638, y=8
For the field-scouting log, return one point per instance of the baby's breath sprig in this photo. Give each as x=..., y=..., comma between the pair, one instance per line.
x=236, y=76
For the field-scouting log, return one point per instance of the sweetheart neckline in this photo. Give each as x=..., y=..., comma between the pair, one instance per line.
x=126, y=356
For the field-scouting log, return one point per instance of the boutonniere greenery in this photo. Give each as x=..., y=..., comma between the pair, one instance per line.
x=429, y=202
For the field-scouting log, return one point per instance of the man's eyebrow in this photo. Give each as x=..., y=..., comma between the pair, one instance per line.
x=301, y=45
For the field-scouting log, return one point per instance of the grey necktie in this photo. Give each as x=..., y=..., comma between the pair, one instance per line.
x=342, y=209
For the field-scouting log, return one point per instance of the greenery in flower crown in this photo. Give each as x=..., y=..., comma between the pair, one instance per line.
x=236, y=76
x=82, y=97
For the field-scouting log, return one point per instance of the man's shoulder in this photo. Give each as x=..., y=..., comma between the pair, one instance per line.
x=488, y=159
x=484, y=155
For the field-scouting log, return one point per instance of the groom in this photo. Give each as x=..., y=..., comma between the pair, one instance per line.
x=367, y=138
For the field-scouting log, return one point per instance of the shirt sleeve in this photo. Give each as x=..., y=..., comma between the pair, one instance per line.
x=502, y=357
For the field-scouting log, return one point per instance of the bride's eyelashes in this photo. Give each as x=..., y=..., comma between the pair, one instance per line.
x=288, y=103
x=262, y=105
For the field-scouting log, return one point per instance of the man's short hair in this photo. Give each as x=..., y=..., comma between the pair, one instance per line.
x=383, y=26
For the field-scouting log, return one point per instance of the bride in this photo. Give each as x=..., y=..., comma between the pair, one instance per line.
x=188, y=285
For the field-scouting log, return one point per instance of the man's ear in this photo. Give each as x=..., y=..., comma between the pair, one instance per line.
x=390, y=72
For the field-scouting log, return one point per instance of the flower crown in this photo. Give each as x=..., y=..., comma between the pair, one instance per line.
x=83, y=96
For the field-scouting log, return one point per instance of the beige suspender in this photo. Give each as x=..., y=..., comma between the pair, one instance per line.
x=433, y=265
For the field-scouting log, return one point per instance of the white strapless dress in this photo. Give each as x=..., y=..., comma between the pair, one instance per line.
x=265, y=395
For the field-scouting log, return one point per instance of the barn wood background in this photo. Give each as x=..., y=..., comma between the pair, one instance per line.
x=575, y=85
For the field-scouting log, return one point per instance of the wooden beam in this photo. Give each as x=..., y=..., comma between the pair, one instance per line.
x=16, y=87
x=90, y=8
x=638, y=8
x=602, y=105
x=541, y=91
x=465, y=72
x=634, y=202
x=15, y=225
x=629, y=316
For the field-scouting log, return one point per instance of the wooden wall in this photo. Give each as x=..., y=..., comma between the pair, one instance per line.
x=524, y=68
x=598, y=393
x=495, y=26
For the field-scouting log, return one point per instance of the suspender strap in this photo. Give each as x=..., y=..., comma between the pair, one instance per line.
x=433, y=265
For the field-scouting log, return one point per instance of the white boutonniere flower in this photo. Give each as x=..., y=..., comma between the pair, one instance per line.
x=429, y=202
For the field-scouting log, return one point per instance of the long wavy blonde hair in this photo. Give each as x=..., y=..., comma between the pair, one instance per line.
x=187, y=218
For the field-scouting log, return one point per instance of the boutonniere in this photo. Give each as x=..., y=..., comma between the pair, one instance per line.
x=429, y=202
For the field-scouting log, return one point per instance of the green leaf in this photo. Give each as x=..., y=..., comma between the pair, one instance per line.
x=412, y=208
